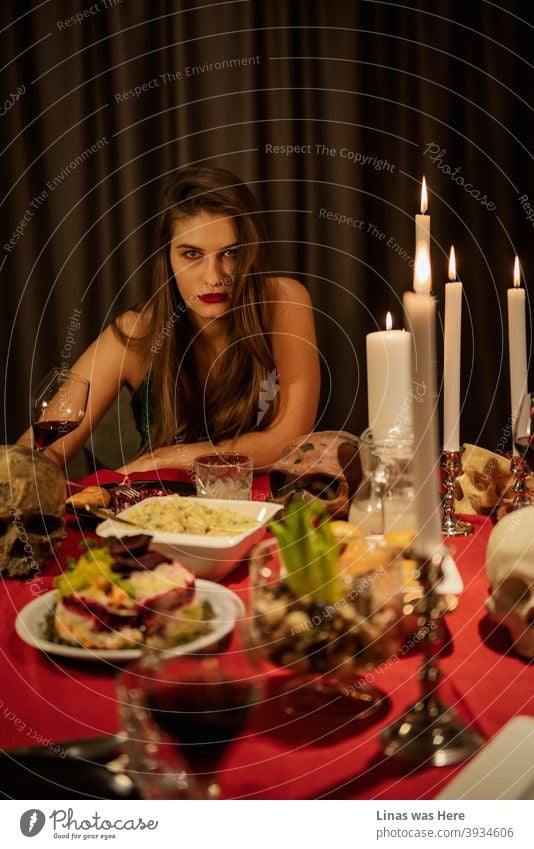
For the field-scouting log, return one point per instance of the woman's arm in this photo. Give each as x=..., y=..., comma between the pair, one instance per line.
x=297, y=376
x=108, y=365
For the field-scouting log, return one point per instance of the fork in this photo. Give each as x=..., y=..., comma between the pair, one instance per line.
x=121, y=487
x=127, y=489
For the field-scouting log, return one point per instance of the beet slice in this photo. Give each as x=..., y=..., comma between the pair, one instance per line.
x=147, y=560
x=152, y=492
x=133, y=545
x=103, y=619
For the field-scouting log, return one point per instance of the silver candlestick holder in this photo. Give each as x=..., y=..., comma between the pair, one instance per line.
x=520, y=472
x=451, y=526
x=429, y=732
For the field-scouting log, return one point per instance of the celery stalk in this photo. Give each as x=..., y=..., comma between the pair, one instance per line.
x=309, y=552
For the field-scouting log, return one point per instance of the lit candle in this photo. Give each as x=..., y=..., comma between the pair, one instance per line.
x=422, y=275
x=451, y=365
x=422, y=224
x=421, y=320
x=517, y=341
x=389, y=378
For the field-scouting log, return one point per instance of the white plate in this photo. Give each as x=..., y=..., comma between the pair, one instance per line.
x=227, y=607
x=503, y=769
x=210, y=557
x=451, y=583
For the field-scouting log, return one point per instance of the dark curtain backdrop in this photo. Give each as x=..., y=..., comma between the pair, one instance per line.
x=368, y=85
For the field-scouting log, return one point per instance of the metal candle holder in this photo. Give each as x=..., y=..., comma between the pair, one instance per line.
x=429, y=731
x=520, y=472
x=451, y=526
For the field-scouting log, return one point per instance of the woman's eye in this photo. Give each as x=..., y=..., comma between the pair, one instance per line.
x=192, y=254
x=232, y=252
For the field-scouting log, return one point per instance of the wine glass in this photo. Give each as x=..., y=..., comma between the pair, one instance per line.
x=523, y=435
x=524, y=430
x=59, y=405
x=181, y=715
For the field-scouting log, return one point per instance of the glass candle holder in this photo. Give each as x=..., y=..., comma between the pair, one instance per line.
x=325, y=651
x=384, y=500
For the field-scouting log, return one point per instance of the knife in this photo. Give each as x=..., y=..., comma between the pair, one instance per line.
x=96, y=749
x=106, y=515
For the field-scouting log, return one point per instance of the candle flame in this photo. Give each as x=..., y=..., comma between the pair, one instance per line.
x=423, y=276
x=424, y=198
x=517, y=273
x=389, y=321
x=452, y=264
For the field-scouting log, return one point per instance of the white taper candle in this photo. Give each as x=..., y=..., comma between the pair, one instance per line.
x=517, y=342
x=420, y=315
x=452, y=359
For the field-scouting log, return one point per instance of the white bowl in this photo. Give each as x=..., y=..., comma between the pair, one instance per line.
x=210, y=557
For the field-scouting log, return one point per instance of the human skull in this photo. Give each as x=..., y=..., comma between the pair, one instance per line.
x=510, y=569
x=486, y=482
x=324, y=465
x=32, y=510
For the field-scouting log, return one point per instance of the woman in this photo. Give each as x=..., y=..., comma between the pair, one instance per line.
x=218, y=355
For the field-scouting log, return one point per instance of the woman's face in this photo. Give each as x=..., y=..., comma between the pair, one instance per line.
x=203, y=253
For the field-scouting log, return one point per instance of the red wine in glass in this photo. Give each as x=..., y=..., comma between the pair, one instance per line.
x=203, y=718
x=525, y=449
x=200, y=704
x=59, y=406
x=524, y=430
x=47, y=432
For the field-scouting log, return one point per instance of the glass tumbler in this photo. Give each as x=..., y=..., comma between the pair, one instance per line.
x=225, y=476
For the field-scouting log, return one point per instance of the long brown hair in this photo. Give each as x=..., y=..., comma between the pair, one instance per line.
x=183, y=409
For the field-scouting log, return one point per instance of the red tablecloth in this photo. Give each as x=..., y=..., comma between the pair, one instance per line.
x=46, y=698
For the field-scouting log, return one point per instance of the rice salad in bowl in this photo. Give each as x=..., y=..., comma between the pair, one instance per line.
x=178, y=515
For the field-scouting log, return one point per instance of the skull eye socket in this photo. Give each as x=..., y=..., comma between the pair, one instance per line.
x=322, y=486
x=513, y=592
x=40, y=524
x=280, y=484
x=21, y=550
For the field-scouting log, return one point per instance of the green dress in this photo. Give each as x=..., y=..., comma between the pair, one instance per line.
x=143, y=409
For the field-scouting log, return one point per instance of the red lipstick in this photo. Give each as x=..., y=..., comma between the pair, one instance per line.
x=213, y=298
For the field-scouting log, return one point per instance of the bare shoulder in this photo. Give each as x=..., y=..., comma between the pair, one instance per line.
x=292, y=310
x=288, y=290
x=133, y=362
x=134, y=324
